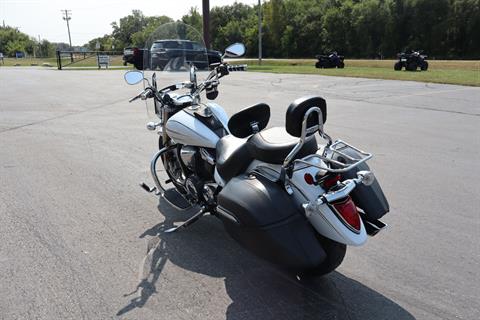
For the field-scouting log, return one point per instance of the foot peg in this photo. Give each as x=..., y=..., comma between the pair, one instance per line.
x=147, y=188
x=185, y=224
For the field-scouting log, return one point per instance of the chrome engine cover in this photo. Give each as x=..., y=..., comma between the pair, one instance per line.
x=188, y=155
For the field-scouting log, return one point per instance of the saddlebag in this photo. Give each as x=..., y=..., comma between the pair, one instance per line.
x=368, y=198
x=263, y=218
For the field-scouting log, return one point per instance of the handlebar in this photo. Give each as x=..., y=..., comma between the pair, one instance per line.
x=144, y=95
x=239, y=67
x=220, y=70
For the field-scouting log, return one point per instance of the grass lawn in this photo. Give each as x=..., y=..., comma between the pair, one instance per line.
x=91, y=62
x=439, y=71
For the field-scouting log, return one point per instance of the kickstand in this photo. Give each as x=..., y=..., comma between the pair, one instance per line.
x=191, y=220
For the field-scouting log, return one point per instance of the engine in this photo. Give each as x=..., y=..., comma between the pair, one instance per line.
x=200, y=165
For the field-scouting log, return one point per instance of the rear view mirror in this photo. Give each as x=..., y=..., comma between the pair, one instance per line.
x=133, y=77
x=235, y=50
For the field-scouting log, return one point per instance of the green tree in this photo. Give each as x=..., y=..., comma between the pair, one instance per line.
x=127, y=26
x=12, y=41
x=139, y=38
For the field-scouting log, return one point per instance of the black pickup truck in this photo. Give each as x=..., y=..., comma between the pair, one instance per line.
x=173, y=52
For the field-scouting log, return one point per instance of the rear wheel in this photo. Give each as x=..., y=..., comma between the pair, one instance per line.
x=335, y=253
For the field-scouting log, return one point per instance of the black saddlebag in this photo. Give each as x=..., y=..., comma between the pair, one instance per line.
x=368, y=198
x=264, y=219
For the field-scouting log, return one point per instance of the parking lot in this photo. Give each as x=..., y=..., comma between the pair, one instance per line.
x=79, y=239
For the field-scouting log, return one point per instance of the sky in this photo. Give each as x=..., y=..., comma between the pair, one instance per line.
x=90, y=18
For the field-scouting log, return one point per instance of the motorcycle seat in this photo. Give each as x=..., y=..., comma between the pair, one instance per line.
x=233, y=156
x=274, y=144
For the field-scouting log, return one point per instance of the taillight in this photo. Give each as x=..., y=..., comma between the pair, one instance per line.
x=309, y=178
x=348, y=213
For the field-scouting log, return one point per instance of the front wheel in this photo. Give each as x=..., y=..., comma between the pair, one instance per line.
x=397, y=66
x=424, y=66
x=341, y=65
x=335, y=253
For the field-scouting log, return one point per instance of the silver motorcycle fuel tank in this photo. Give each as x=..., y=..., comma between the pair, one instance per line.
x=185, y=129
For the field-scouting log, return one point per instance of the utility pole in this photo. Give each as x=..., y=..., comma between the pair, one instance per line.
x=259, y=32
x=206, y=22
x=67, y=18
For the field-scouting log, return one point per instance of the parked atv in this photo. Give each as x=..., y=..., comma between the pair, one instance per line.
x=411, y=61
x=332, y=60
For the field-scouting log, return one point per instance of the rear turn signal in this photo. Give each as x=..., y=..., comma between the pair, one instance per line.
x=347, y=212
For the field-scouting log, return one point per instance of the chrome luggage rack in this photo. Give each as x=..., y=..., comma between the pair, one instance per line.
x=338, y=148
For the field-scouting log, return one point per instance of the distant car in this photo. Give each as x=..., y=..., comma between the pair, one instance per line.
x=128, y=55
x=173, y=51
x=332, y=60
x=163, y=51
x=411, y=61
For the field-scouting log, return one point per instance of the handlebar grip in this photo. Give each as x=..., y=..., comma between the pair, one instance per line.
x=238, y=67
x=147, y=93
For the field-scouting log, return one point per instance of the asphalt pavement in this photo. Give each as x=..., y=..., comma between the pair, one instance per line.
x=79, y=239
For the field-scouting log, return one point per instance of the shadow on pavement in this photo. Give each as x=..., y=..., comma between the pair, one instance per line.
x=257, y=289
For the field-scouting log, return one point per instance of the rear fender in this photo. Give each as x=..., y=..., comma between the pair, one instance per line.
x=324, y=220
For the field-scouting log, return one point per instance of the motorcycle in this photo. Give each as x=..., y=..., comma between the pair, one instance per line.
x=411, y=61
x=279, y=193
x=332, y=60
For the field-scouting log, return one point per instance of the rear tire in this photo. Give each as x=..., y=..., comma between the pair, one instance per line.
x=335, y=253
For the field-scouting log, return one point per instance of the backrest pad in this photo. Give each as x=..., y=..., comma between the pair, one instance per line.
x=296, y=112
x=245, y=122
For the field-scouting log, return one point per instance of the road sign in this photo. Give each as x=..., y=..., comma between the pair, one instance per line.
x=103, y=60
